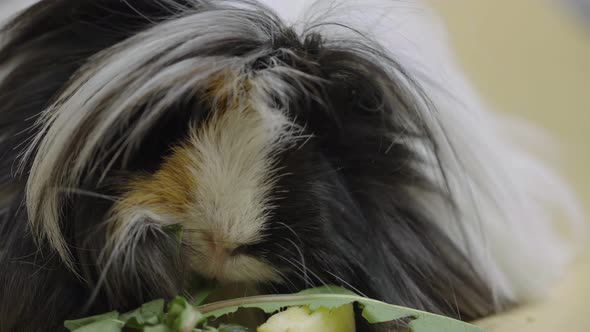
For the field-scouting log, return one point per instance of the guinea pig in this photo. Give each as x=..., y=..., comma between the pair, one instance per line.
x=148, y=143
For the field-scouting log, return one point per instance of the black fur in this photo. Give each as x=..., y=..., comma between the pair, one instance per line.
x=342, y=199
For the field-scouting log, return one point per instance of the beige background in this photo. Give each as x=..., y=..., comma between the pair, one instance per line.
x=529, y=58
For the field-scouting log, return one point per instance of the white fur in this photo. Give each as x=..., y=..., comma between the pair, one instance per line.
x=231, y=163
x=234, y=170
x=506, y=222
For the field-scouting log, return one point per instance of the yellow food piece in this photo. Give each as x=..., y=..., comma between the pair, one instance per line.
x=302, y=319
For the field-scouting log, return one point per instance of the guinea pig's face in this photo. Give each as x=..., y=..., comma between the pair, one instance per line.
x=216, y=186
x=244, y=185
x=219, y=185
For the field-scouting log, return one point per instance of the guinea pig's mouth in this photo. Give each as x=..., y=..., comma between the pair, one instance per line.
x=232, y=269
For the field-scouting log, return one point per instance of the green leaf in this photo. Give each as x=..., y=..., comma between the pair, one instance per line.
x=152, y=309
x=327, y=290
x=157, y=328
x=181, y=316
x=333, y=297
x=148, y=314
x=200, y=289
x=232, y=328
x=107, y=325
x=201, y=296
x=176, y=230
x=78, y=323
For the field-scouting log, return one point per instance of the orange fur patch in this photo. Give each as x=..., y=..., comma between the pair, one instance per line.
x=168, y=191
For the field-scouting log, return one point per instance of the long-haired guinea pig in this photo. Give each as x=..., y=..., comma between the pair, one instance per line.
x=146, y=143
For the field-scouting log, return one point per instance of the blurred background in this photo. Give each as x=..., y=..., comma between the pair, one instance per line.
x=531, y=58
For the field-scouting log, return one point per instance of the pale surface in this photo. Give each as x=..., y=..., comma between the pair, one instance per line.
x=529, y=59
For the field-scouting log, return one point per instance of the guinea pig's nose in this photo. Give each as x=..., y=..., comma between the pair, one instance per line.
x=224, y=249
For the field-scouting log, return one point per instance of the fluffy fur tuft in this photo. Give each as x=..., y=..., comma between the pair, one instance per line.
x=341, y=147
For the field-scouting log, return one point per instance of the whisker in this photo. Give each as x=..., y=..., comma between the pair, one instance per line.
x=300, y=267
x=300, y=251
x=291, y=230
x=346, y=283
x=303, y=269
x=301, y=256
x=308, y=283
x=292, y=286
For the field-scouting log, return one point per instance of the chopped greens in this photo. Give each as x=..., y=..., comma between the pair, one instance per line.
x=180, y=316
